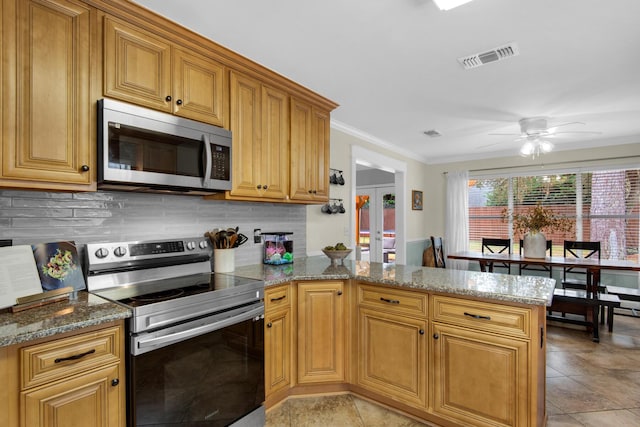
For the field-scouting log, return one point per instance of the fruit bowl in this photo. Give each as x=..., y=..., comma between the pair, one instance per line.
x=336, y=255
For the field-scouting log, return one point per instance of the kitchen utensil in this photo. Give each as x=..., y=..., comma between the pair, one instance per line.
x=242, y=239
x=342, y=209
x=335, y=208
x=326, y=208
x=340, y=179
x=333, y=179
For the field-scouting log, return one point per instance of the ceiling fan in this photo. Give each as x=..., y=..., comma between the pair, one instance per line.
x=535, y=132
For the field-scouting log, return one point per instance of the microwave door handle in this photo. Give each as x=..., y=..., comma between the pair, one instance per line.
x=207, y=161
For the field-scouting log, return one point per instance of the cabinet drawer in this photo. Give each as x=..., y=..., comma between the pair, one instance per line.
x=277, y=297
x=393, y=300
x=50, y=361
x=482, y=315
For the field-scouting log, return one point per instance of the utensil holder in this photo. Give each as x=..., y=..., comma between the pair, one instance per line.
x=223, y=260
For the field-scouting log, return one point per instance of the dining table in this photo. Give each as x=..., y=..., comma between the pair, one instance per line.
x=590, y=297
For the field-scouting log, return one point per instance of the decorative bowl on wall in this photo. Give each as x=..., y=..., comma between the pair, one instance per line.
x=336, y=255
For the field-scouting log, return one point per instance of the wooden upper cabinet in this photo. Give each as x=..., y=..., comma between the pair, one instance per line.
x=309, y=153
x=260, y=128
x=47, y=114
x=138, y=69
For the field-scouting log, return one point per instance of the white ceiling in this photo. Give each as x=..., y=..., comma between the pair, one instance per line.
x=392, y=66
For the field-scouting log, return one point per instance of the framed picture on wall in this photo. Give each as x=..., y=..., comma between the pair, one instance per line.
x=416, y=200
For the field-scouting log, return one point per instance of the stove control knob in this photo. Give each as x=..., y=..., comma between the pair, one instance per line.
x=120, y=251
x=191, y=245
x=102, y=253
x=203, y=244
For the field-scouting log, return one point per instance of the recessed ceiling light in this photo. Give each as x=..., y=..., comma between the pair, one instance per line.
x=449, y=4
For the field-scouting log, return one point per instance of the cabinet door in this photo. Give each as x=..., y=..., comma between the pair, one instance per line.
x=479, y=378
x=393, y=357
x=309, y=153
x=321, y=324
x=275, y=143
x=46, y=72
x=198, y=88
x=301, y=187
x=319, y=161
x=246, y=125
x=277, y=354
x=89, y=400
x=137, y=66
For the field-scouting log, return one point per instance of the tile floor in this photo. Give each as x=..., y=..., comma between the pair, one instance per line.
x=588, y=384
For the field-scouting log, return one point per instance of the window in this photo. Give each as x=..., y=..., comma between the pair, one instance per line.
x=604, y=205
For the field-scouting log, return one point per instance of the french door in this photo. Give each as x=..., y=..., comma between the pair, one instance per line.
x=375, y=220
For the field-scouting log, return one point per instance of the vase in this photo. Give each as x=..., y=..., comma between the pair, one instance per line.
x=535, y=245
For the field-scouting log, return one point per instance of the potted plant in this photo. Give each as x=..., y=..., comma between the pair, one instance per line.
x=530, y=225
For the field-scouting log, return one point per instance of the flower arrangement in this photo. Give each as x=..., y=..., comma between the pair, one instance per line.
x=537, y=219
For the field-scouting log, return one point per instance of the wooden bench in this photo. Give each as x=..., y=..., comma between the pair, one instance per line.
x=579, y=302
x=626, y=294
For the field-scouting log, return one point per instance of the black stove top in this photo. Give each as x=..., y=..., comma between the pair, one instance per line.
x=147, y=293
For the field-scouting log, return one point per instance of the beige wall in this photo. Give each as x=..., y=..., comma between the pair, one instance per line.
x=325, y=229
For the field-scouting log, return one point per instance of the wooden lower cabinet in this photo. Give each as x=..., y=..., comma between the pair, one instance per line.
x=447, y=359
x=72, y=379
x=392, y=353
x=90, y=400
x=321, y=331
x=478, y=378
x=277, y=339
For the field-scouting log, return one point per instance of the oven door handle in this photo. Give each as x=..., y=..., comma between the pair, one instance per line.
x=143, y=345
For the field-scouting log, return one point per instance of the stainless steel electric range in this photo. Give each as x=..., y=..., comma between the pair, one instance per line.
x=195, y=339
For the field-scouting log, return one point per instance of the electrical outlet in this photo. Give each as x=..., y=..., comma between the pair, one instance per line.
x=257, y=235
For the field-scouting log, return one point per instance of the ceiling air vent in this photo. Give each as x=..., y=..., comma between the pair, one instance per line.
x=495, y=54
x=432, y=133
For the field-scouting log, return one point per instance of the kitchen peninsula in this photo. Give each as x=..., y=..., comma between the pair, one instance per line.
x=447, y=346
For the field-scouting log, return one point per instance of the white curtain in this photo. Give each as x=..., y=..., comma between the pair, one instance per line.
x=457, y=219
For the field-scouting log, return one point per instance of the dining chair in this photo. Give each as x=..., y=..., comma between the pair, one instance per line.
x=576, y=277
x=497, y=246
x=438, y=252
x=542, y=268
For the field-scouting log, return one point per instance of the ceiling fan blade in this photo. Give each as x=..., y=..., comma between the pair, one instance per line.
x=576, y=131
x=510, y=134
x=565, y=124
x=480, y=147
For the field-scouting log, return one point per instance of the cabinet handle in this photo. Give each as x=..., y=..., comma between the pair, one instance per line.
x=436, y=336
x=477, y=316
x=84, y=168
x=179, y=102
x=74, y=357
x=269, y=325
x=168, y=98
x=115, y=382
x=265, y=187
x=339, y=293
x=259, y=186
x=310, y=191
x=421, y=331
x=279, y=298
x=390, y=301
x=314, y=191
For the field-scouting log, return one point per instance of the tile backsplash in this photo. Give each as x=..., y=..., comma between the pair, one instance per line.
x=29, y=217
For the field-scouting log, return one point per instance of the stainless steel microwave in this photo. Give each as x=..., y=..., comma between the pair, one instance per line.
x=145, y=150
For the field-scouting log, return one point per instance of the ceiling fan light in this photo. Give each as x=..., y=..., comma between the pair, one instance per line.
x=546, y=146
x=527, y=149
x=449, y=4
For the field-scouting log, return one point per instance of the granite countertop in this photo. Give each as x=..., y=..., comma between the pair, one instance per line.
x=531, y=290
x=89, y=310
x=80, y=312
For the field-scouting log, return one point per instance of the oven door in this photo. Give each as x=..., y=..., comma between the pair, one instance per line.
x=212, y=375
